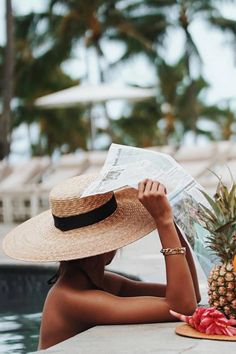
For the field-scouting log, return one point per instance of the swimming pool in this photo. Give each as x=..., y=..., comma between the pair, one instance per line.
x=19, y=333
x=23, y=289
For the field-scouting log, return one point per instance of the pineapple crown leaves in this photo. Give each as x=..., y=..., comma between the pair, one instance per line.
x=222, y=211
x=220, y=220
x=221, y=245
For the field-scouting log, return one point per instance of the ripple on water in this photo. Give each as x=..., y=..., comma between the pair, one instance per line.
x=19, y=333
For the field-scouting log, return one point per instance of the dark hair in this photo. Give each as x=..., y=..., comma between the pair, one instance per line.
x=54, y=278
x=63, y=265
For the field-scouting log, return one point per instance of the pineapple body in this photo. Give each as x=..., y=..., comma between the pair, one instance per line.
x=220, y=221
x=222, y=289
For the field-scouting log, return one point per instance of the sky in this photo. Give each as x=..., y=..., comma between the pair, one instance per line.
x=219, y=59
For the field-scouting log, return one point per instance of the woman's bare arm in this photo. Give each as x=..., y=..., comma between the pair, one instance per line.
x=123, y=286
x=119, y=285
x=100, y=307
x=96, y=307
x=191, y=264
x=129, y=287
x=152, y=195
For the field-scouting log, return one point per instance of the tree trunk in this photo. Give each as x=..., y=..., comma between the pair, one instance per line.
x=102, y=80
x=5, y=122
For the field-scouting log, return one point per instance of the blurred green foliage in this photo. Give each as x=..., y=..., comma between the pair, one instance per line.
x=44, y=41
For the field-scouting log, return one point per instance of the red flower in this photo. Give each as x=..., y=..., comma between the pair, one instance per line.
x=209, y=321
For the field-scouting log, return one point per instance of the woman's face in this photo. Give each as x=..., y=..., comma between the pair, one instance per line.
x=110, y=256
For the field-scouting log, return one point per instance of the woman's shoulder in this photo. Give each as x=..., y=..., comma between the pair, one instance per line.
x=67, y=295
x=61, y=317
x=73, y=301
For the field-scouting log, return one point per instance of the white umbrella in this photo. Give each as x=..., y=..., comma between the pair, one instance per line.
x=88, y=94
x=91, y=94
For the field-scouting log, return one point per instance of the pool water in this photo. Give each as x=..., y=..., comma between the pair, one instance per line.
x=19, y=333
x=23, y=289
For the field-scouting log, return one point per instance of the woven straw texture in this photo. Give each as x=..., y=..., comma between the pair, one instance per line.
x=39, y=240
x=65, y=197
x=187, y=331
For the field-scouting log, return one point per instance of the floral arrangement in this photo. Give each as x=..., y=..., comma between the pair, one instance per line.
x=209, y=321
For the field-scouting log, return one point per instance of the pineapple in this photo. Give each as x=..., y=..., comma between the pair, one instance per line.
x=220, y=221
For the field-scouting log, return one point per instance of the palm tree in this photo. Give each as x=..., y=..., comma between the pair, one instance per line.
x=183, y=105
x=7, y=85
x=93, y=22
x=139, y=127
x=38, y=72
x=178, y=108
x=98, y=20
x=180, y=91
x=224, y=118
x=171, y=87
x=141, y=26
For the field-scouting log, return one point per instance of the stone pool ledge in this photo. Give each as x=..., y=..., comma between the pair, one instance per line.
x=138, y=339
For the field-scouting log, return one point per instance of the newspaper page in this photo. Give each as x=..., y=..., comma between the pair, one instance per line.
x=127, y=166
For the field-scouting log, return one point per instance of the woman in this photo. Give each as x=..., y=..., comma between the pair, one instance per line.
x=84, y=234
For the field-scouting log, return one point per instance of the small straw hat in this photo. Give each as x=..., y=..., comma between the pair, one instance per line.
x=78, y=227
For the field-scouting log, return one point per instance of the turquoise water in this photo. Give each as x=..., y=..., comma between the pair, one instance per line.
x=19, y=333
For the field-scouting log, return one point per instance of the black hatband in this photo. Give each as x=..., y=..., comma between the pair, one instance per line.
x=91, y=217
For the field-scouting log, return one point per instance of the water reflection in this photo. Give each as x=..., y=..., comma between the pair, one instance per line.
x=19, y=333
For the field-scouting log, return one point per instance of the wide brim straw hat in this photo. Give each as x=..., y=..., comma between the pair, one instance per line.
x=76, y=227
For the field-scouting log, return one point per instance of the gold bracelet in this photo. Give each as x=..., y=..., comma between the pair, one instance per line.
x=172, y=251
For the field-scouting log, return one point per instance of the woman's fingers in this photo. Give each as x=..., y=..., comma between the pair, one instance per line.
x=141, y=187
x=152, y=194
x=162, y=189
x=148, y=185
x=155, y=186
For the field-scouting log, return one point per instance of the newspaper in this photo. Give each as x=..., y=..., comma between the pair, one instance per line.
x=127, y=166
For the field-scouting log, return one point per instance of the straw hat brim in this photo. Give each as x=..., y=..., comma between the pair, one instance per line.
x=39, y=240
x=187, y=331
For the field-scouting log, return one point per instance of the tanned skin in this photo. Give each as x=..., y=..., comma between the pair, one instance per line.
x=85, y=295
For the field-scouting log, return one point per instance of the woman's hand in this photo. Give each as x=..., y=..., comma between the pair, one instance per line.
x=152, y=195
